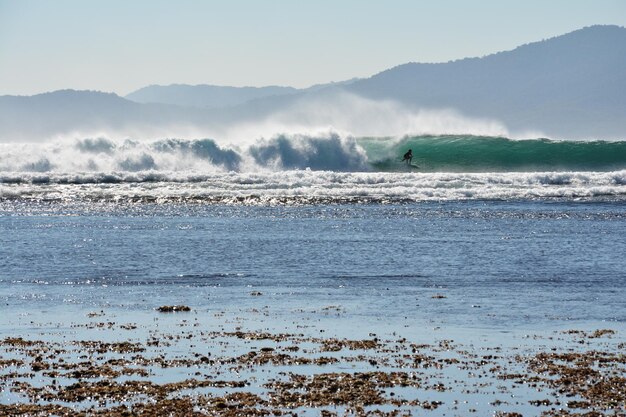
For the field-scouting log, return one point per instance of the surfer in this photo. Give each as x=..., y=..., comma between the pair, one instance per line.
x=408, y=157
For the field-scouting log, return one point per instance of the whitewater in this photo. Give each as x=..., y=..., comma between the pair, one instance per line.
x=313, y=169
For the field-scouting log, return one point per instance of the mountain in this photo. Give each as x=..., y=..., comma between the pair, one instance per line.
x=208, y=96
x=571, y=86
x=90, y=112
x=213, y=96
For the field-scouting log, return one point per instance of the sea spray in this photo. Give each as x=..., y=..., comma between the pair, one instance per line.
x=330, y=153
x=322, y=152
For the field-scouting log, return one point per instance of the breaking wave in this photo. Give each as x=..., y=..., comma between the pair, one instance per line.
x=311, y=169
x=456, y=153
x=323, y=152
x=281, y=152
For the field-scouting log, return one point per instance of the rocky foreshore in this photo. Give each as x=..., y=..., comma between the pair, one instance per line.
x=194, y=371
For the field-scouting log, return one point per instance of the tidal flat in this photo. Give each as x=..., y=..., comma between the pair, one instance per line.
x=255, y=362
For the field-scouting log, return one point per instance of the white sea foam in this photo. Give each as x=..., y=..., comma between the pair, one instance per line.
x=305, y=186
x=327, y=151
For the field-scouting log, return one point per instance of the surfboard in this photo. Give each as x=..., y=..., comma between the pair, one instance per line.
x=409, y=167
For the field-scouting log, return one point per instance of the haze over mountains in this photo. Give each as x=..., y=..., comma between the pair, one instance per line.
x=572, y=86
x=206, y=96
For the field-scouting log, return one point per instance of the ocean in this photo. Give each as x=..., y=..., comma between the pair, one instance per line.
x=304, y=169
x=490, y=245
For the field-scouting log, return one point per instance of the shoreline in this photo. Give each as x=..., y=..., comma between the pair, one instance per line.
x=193, y=363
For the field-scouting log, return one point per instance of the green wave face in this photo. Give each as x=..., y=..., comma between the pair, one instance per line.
x=489, y=154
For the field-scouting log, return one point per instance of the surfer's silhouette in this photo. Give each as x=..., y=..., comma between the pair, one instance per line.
x=408, y=157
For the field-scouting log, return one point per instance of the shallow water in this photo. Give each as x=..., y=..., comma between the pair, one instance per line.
x=498, y=264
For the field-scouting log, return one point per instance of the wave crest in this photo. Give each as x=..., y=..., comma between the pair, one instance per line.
x=463, y=153
x=281, y=152
x=330, y=153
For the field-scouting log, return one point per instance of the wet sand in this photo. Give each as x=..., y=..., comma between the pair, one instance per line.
x=170, y=361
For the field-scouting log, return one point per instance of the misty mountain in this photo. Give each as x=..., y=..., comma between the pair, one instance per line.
x=209, y=96
x=571, y=86
x=69, y=111
x=212, y=96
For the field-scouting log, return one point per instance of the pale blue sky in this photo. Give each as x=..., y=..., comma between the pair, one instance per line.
x=122, y=45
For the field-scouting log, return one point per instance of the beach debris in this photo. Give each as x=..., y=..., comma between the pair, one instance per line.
x=173, y=309
x=257, y=373
x=334, y=345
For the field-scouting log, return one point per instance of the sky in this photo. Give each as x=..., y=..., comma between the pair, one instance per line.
x=122, y=45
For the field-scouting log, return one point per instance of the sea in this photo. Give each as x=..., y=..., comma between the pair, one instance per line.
x=531, y=230
x=480, y=237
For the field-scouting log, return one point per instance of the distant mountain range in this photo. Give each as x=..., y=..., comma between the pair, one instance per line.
x=204, y=96
x=213, y=96
x=571, y=86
